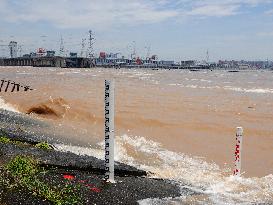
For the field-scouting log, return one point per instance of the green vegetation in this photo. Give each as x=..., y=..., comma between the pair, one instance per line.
x=22, y=166
x=41, y=145
x=25, y=170
x=44, y=145
x=4, y=139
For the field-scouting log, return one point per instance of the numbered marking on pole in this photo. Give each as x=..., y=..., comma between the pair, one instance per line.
x=109, y=131
x=238, y=151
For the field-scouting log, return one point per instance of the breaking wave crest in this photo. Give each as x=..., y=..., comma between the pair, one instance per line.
x=214, y=185
x=7, y=106
x=52, y=108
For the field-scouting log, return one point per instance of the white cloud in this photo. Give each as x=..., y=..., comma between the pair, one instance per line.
x=214, y=10
x=232, y=2
x=269, y=12
x=222, y=8
x=84, y=13
x=102, y=14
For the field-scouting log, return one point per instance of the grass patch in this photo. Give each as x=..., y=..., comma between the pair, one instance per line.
x=24, y=170
x=22, y=166
x=44, y=145
x=41, y=145
x=4, y=139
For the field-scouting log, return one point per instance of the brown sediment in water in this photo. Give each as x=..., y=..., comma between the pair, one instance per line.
x=55, y=108
x=199, y=122
x=42, y=110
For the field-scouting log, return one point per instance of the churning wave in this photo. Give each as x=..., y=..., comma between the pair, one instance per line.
x=6, y=106
x=214, y=185
x=55, y=108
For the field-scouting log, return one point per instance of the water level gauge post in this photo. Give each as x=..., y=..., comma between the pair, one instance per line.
x=109, y=130
x=238, y=151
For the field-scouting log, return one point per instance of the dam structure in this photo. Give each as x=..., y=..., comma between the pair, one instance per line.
x=80, y=62
x=47, y=58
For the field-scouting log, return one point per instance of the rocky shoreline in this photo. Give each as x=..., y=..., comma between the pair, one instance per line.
x=63, y=168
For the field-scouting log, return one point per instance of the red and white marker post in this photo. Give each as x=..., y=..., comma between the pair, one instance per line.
x=238, y=151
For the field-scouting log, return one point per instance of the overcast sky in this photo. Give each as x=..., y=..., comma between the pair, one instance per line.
x=173, y=29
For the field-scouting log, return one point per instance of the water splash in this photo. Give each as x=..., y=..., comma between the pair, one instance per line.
x=6, y=106
x=214, y=185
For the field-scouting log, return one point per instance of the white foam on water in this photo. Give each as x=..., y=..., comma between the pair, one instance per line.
x=231, y=88
x=192, y=86
x=6, y=106
x=61, y=73
x=203, y=80
x=214, y=185
x=52, y=69
x=23, y=73
x=249, y=90
x=64, y=72
x=175, y=84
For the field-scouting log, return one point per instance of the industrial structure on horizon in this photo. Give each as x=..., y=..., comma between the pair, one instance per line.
x=48, y=58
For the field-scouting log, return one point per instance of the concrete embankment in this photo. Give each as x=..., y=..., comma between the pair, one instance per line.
x=84, y=172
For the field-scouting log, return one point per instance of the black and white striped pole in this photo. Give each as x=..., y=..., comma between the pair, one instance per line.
x=109, y=130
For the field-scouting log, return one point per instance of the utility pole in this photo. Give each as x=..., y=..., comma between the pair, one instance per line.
x=20, y=50
x=148, y=52
x=13, y=48
x=91, y=49
x=62, y=47
x=83, y=46
x=207, y=56
x=133, y=55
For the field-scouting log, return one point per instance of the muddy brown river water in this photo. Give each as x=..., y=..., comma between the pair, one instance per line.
x=177, y=123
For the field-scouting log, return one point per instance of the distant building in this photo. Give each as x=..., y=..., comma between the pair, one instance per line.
x=165, y=63
x=154, y=57
x=112, y=55
x=2, y=62
x=32, y=54
x=26, y=56
x=188, y=63
x=49, y=62
x=13, y=49
x=73, y=55
x=102, y=55
x=244, y=66
x=227, y=64
x=50, y=53
x=138, y=61
x=41, y=52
